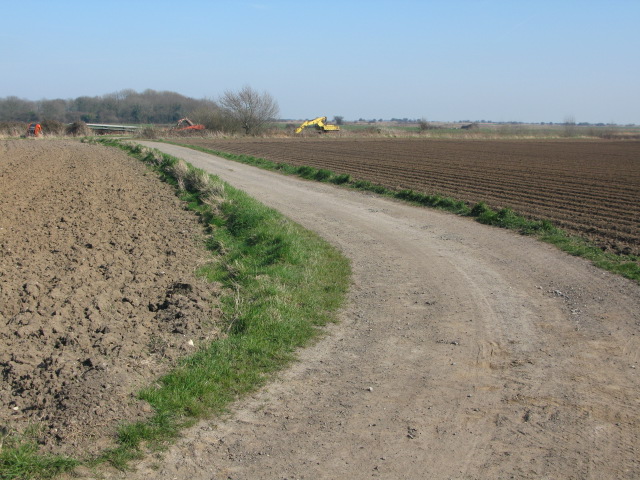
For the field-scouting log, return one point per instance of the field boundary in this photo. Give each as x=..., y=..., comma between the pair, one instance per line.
x=282, y=282
x=544, y=230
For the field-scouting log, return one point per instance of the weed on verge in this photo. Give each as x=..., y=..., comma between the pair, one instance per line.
x=19, y=458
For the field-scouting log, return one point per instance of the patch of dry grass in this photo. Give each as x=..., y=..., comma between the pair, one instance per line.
x=12, y=129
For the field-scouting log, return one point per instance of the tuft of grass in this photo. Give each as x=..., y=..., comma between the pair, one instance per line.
x=341, y=179
x=435, y=201
x=19, y=459
x=323, y=175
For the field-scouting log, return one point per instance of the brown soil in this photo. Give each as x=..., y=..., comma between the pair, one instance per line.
x=590, y=188
x=97, y=289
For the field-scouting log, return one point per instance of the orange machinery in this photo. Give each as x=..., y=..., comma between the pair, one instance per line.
x=34, y=130
x=186, y=124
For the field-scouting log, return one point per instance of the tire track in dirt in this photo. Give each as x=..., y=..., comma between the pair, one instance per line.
x=464, y=352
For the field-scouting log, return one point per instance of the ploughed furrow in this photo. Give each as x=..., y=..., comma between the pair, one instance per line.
x=440, y=165
x=626, y=196
x=600, y=191
x=587, y=187
x=594, y=160
x=326, y=158
x=539, y=207
x=451, y=187
x=406, y=178
x=473, y=189
x=523, y=202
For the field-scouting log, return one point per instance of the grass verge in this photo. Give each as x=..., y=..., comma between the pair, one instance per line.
x=281, y=284
x=626, y=265
x=19, y=458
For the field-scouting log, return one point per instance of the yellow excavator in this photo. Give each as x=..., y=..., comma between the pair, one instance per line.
x=320, y=124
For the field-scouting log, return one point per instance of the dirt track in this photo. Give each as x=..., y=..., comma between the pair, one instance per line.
x=464, y=352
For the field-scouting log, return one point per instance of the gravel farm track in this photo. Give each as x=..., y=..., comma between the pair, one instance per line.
x=463, y=351
x=590, y=188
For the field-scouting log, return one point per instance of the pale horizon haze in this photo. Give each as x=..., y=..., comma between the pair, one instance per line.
x=525, y=61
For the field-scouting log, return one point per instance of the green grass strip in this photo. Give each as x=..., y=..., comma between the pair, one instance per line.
x=280, y=283
x=626, y=265
x=19, y=459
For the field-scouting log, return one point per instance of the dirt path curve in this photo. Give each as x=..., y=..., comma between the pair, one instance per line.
x=464, y=352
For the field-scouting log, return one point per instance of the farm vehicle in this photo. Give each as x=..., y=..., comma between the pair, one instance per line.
x=34, y=130
x=186, y=125
x=320, y=124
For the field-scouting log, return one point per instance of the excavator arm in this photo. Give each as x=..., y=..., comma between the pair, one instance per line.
x=186, y=124
x=316, y=121
x=319, y=123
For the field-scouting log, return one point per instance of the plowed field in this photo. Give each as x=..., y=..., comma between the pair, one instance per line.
x=590, y=188
x=97, y=291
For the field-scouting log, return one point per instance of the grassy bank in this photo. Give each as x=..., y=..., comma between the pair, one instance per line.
x=625, y=265
x=280, y=283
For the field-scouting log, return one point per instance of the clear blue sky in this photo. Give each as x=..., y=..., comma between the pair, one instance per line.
x=509, y=60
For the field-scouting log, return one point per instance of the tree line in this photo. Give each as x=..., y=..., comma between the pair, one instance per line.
x=246, y=110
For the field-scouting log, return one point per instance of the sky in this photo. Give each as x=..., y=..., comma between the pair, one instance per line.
x=445, y=60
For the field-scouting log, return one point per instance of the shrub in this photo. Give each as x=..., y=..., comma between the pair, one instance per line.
x=306, y=172
x=13, y=129
x=341, y=179
x=424, y=125
x=147, y=132
x=78, y=129
x=322, y=175
x=479, y=209
x=53, y=127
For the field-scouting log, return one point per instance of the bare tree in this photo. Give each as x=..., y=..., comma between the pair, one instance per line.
x=569, y=126
x=213, y=118
x=249, y=108
x=424, y=125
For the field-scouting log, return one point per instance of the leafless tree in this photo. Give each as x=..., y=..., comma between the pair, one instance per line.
x=569, y=126
x=249, y=108
x=424, y=125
